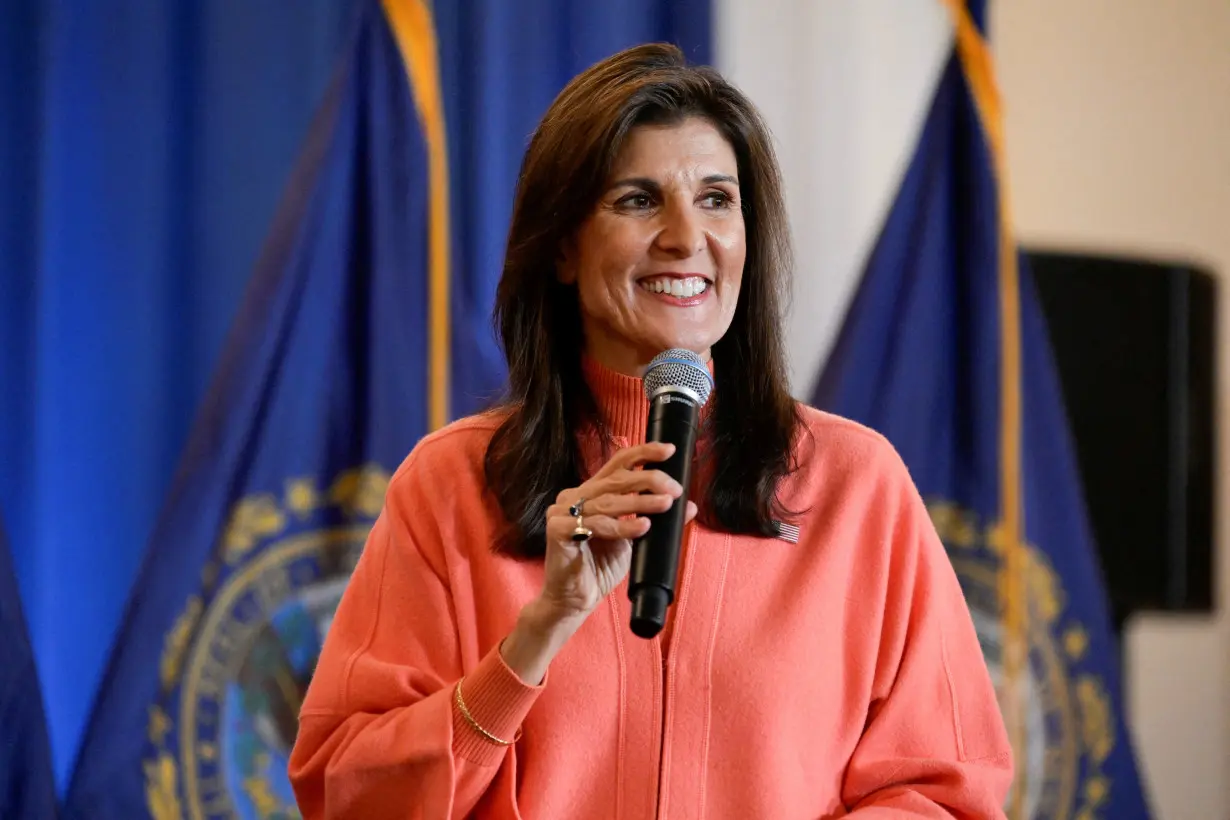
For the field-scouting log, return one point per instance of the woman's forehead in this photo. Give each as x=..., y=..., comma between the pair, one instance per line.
x=692, y=149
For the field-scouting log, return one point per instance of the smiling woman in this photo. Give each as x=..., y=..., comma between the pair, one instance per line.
x=819, y=659
x=645, y=173
x=659, y=262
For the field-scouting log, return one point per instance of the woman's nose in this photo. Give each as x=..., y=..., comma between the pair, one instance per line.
x=681, y=234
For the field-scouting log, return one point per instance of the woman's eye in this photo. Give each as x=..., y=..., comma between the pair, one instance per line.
x=635, y=201
x=716, y=199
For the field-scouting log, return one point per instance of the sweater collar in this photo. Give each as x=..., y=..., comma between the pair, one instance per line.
x=621, y=400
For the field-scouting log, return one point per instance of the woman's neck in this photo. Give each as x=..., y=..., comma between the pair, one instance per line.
x=621, y=398
x=625, y=359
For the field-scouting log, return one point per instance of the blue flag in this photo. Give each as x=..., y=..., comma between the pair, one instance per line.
x=944, y=351
x=332, y=372
x=27, y=785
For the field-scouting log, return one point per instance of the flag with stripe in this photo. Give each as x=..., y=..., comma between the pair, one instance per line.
x=944, y=350
x=335, y=367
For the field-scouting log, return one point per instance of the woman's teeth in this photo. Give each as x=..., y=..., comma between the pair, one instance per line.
x=682, y=288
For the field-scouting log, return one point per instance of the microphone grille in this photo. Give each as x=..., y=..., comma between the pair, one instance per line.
x=678, y=367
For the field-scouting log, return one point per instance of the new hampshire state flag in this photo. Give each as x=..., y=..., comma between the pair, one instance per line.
x=333, y=371
x=944, y=351
x=27, y=785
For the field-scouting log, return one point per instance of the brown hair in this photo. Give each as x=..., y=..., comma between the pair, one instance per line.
x=534, y=454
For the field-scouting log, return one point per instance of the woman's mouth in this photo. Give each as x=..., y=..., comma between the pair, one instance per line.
x=678, y=287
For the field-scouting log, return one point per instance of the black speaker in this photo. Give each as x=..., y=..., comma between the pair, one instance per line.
x=1134, y=342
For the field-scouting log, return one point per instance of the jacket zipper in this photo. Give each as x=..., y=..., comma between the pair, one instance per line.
x=657, y=803
x=665, y=662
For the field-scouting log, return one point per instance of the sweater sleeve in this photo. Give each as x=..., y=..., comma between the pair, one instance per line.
x=379, y=734
x=934, y=743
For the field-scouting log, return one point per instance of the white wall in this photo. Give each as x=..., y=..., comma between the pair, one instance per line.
x=1118, y=131
x=844, y=86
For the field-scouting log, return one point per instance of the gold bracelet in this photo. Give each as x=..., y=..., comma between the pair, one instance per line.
x=461, y=706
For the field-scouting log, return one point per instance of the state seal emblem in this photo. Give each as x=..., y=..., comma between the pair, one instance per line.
x=237, y=662
x=1066, y=712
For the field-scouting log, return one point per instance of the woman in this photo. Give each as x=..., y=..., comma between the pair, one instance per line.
x=481, y=663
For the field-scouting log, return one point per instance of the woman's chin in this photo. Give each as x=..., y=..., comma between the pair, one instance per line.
x=700, y=345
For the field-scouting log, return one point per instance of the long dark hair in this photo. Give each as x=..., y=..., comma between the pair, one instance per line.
x=535, y=453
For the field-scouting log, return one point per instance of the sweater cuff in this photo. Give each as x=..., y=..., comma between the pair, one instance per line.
x=498, y=700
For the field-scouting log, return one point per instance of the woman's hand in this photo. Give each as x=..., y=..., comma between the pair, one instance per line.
x=578, y=575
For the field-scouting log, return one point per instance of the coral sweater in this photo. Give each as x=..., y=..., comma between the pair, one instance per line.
x=837, y=676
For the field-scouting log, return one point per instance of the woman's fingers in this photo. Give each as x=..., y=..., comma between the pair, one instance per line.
x=560, y=527
x=618, y=496
x=622, y=482
x=637, y=481
x=630, y=458
x=606, y=516
x=616, y=506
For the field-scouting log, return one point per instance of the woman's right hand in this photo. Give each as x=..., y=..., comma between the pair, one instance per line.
x=579, y=575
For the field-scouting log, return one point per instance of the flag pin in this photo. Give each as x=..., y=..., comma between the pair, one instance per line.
x=787, y=532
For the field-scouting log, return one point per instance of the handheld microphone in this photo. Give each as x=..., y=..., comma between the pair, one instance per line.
x=677, y=384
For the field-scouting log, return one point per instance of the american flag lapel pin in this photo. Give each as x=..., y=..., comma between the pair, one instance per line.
x=787, y=532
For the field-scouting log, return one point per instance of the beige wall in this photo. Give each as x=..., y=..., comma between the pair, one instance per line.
x=1118, y=129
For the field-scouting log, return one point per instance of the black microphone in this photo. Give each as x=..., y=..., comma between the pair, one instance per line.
x=677, y=384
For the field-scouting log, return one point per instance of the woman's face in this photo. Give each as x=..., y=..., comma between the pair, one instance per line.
x=659, y=262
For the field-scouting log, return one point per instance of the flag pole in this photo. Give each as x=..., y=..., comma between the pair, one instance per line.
x=414, y=30
x=975, y=56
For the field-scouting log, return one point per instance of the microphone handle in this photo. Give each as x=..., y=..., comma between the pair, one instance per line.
x=673, y=417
